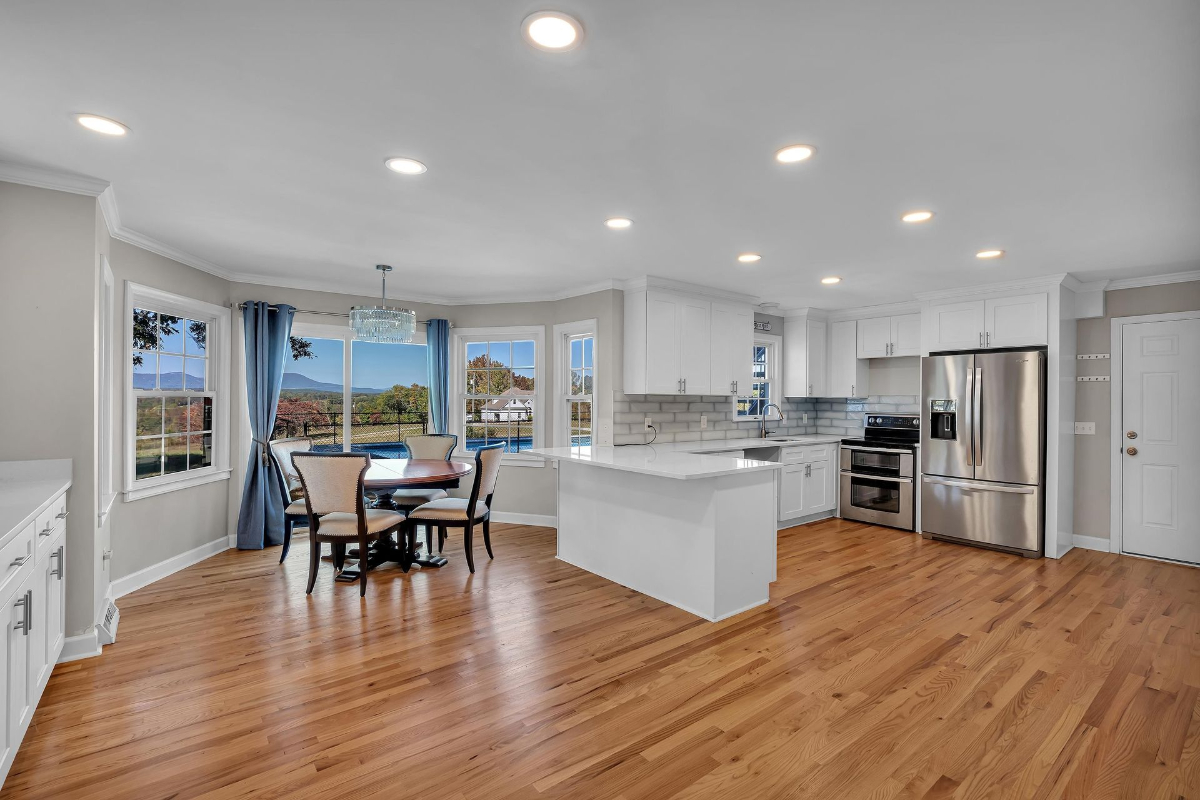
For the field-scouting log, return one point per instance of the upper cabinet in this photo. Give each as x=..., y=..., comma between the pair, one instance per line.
x=1000, y=322
x=805, y=372
x=885, y=337
x=847, y=372
x=679, y=344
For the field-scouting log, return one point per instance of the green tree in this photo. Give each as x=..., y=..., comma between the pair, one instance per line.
x=148, y=326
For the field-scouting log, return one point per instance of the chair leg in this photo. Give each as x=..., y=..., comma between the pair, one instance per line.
x=314, y=561
x=467, y=547
x=441, y=537
x=402, y=546
x=487, y=536
x=363, y=565
x=339, y=555
x=287, y=537
x=429, y=539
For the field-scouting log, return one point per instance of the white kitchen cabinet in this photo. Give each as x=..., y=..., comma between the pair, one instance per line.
x=848, y=372
x=21, y=673
x=662, y=321
x=906, y=335
x=791, y=491
x=818, y=489
x=998, y=322
x=731, y=344
x=695, y=356
x=887, y=337
x=808, y=481
x=805, y=372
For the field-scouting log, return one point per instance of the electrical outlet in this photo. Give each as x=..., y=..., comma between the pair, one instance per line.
x=647, y=423
x=805, y=420
x=703, y=422
x=1085, y=427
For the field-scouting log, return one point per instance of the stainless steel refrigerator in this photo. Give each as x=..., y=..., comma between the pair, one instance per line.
x=983, y=444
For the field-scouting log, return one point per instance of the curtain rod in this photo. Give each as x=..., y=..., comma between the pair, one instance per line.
x=241, y=306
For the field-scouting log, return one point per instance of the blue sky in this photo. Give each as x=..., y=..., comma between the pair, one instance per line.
x=375, y=366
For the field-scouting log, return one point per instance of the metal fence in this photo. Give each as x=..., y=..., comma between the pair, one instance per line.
x=365, y=428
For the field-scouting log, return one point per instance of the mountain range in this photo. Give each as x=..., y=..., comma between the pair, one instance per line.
x=291, y=380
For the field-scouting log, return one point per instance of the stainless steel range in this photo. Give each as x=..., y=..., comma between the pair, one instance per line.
x=877, y=471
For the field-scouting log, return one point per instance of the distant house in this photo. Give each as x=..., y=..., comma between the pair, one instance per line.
x=516, y=404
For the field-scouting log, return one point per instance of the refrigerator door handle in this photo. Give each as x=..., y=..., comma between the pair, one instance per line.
x=977, y=414
x=980, y=485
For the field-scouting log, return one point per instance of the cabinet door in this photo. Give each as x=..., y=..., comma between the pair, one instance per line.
x=662, y=344
x=1015, y=321
x=7, y=727
x=695, y=334
x=874, y=336
x=847, y=372
x=818, y=370
x=39, y=630
x=791, y=491
x=956, y=326
x=906, y=335
x=730, y=349
x=20, y=699
x=817, y=494
x=743, y=337
x=56, y=602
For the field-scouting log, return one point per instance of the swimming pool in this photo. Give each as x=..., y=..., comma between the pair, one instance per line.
x=398, y=450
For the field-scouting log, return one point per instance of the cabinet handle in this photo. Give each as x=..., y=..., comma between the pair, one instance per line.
x=810, y=390
x=61, y=515
x=46, y=532
x=685, y=385
x=808, y=470
x=58, y=573
x=988, y=340
x=981, y=338
x=852, y=394
x=18, y=561
x=26, y=604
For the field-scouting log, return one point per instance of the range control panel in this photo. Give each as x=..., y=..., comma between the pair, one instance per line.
x=909, y=422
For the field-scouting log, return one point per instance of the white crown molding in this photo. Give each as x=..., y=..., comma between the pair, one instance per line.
x=881, y=310
x=1041, y=282
x=51, y=179
x=669, y=284
x=1153, y=280
x=806, y=313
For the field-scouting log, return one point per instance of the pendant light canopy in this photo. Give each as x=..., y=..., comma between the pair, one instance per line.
x=383, y=324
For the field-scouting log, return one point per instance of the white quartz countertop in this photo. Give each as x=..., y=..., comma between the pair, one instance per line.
x=680, y=460
x=26, y=489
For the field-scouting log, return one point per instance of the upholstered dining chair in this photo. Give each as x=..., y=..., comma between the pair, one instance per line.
x=435, y=447
x=333, y=498
x=465, y=513
x=289, y=485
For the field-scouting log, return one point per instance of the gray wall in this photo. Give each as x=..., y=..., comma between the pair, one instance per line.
x=1092, y=403
x=48, y=290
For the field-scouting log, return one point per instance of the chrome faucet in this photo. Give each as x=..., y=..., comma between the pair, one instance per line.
x=762, y=434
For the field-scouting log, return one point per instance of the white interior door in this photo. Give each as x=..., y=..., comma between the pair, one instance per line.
x=1160, y=474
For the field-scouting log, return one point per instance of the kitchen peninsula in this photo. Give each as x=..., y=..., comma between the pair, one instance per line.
x=690, y=523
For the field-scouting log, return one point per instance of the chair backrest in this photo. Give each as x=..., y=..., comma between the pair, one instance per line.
x=281, y=454
x=332, y=481
x=487, y=470
x=437, y=446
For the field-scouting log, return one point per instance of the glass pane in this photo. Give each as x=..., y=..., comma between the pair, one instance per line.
x=175, y=415
x=875, y=495
x=196, y=342
x=500, y=353
x=145, y=330
x=524, y=353
x=310, y=403
x=499, y=381
x=390, y=398
x=587, y=380
x=588, y=344
x=170, y=333
x=149, y=416
x=199, y=451
x=475, y=430
x=170, y=373
x=147, y=458
x=477, y=382
x=194, y=369
x=477, y=350
x=576, y=353
x=200, y=414
x=145, y=370
x=523, y=380
x=175, y=452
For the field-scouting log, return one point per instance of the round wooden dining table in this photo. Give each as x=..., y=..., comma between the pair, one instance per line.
x=385, y=476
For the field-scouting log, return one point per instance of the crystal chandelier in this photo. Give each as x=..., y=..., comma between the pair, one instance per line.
x=383, y=324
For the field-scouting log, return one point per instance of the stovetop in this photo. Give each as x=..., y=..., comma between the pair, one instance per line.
x=891, y=431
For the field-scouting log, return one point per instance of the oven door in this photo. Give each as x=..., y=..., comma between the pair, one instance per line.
x=879, y=499
x=877, y=461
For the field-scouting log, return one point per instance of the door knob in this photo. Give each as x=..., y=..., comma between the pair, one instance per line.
x=1131, y=451
x=1130, y=434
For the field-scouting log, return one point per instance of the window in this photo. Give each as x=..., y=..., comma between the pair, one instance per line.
x=498, y=388
x=177, y=409
x=575, y=360
x=763, y=368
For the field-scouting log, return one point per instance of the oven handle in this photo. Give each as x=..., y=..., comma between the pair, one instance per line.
x=981, y=487
x=878, y=477
x=874, y=449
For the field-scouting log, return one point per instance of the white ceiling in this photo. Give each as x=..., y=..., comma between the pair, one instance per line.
x=1067, y=133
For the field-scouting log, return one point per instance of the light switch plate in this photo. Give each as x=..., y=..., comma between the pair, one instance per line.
x=1085, y=427
x=703, y=422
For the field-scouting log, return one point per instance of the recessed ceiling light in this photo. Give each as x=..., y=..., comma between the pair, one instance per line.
x=990, y=254
x=795, y=152
x=831, y=280
x=109, y=127
x=616, y=223
x=552, y=31
x=917, y=216
x=405, y=166
x=749, y=258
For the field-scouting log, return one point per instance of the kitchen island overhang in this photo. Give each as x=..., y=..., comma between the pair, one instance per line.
x=696, y=531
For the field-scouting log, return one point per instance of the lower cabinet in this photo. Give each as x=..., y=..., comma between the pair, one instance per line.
x=808, y=481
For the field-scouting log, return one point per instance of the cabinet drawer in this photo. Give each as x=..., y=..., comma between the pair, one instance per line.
x=818, y=452
x=16, y=561
x=794, y=455
x=49, y=523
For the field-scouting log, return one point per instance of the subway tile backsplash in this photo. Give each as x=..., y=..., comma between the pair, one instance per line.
x=677, y=417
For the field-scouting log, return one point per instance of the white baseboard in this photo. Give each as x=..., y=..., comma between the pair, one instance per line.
x=83, y=646
x=525, y=519
x=154, y=572
x=1092, y=543
x=232, y=541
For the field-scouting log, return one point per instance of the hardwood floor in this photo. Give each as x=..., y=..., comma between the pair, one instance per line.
x=884, y=667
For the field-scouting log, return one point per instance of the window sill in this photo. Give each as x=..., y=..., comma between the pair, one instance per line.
x=186, y=482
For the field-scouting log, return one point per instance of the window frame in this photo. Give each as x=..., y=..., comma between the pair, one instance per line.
x=459, y=337
x=774, y=345
x=563, y=334
x=217, y=352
